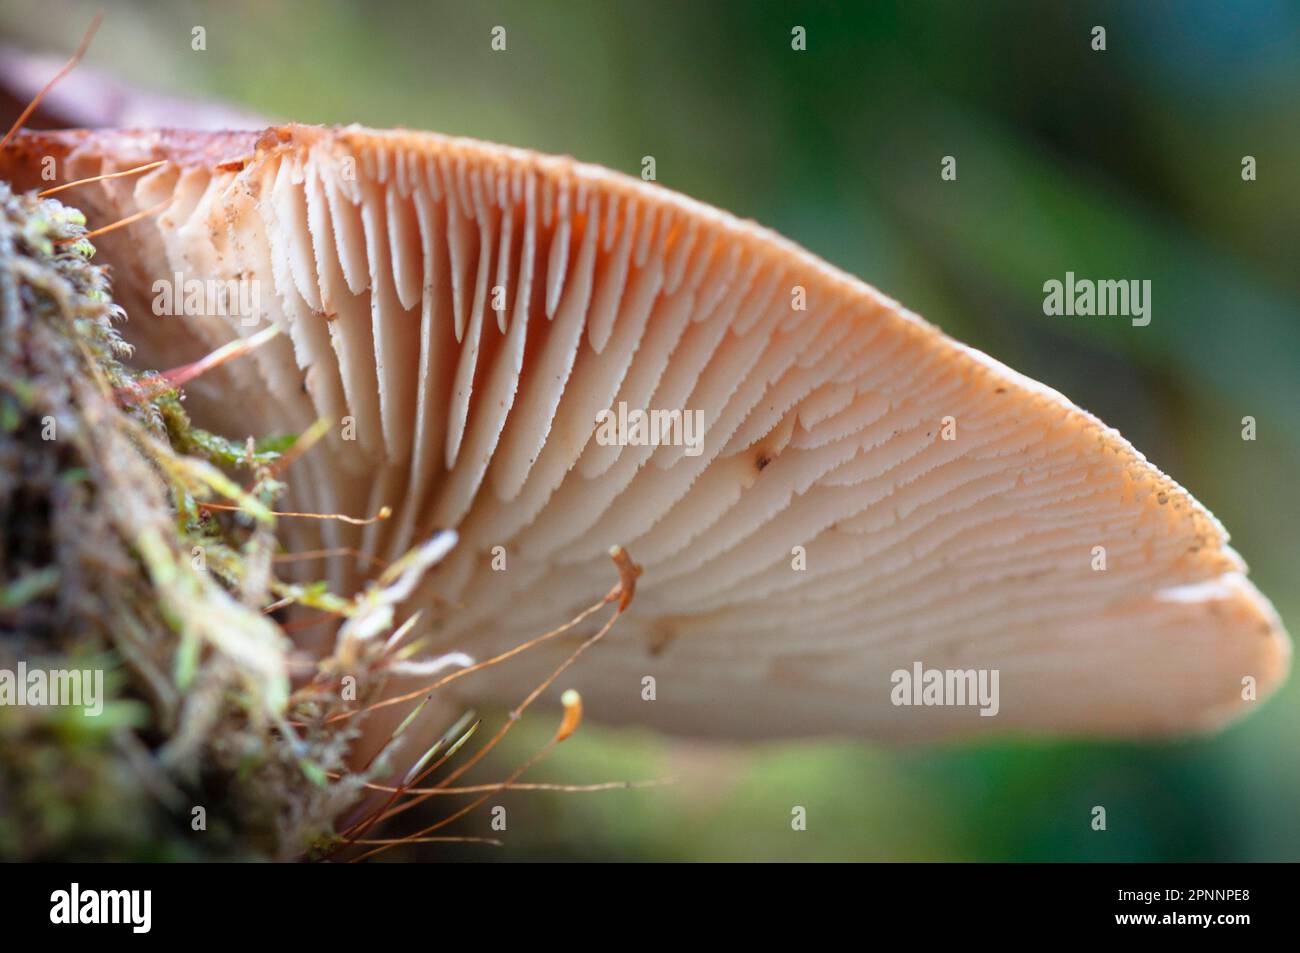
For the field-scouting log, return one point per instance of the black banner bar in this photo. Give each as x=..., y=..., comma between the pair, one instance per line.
x=225, y=903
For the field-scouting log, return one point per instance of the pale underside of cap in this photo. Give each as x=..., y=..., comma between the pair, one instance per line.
x=826, y=537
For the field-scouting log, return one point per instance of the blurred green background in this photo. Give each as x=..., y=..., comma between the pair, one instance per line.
x=1124, y=164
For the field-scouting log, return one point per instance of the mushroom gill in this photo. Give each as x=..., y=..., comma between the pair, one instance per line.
x=868, y=493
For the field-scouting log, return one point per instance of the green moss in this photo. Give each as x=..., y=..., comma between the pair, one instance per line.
x=108, y=560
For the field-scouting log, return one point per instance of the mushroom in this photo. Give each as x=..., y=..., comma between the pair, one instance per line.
x=868, y=496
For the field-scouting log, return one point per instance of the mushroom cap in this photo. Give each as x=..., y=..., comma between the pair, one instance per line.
x=471, y=308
